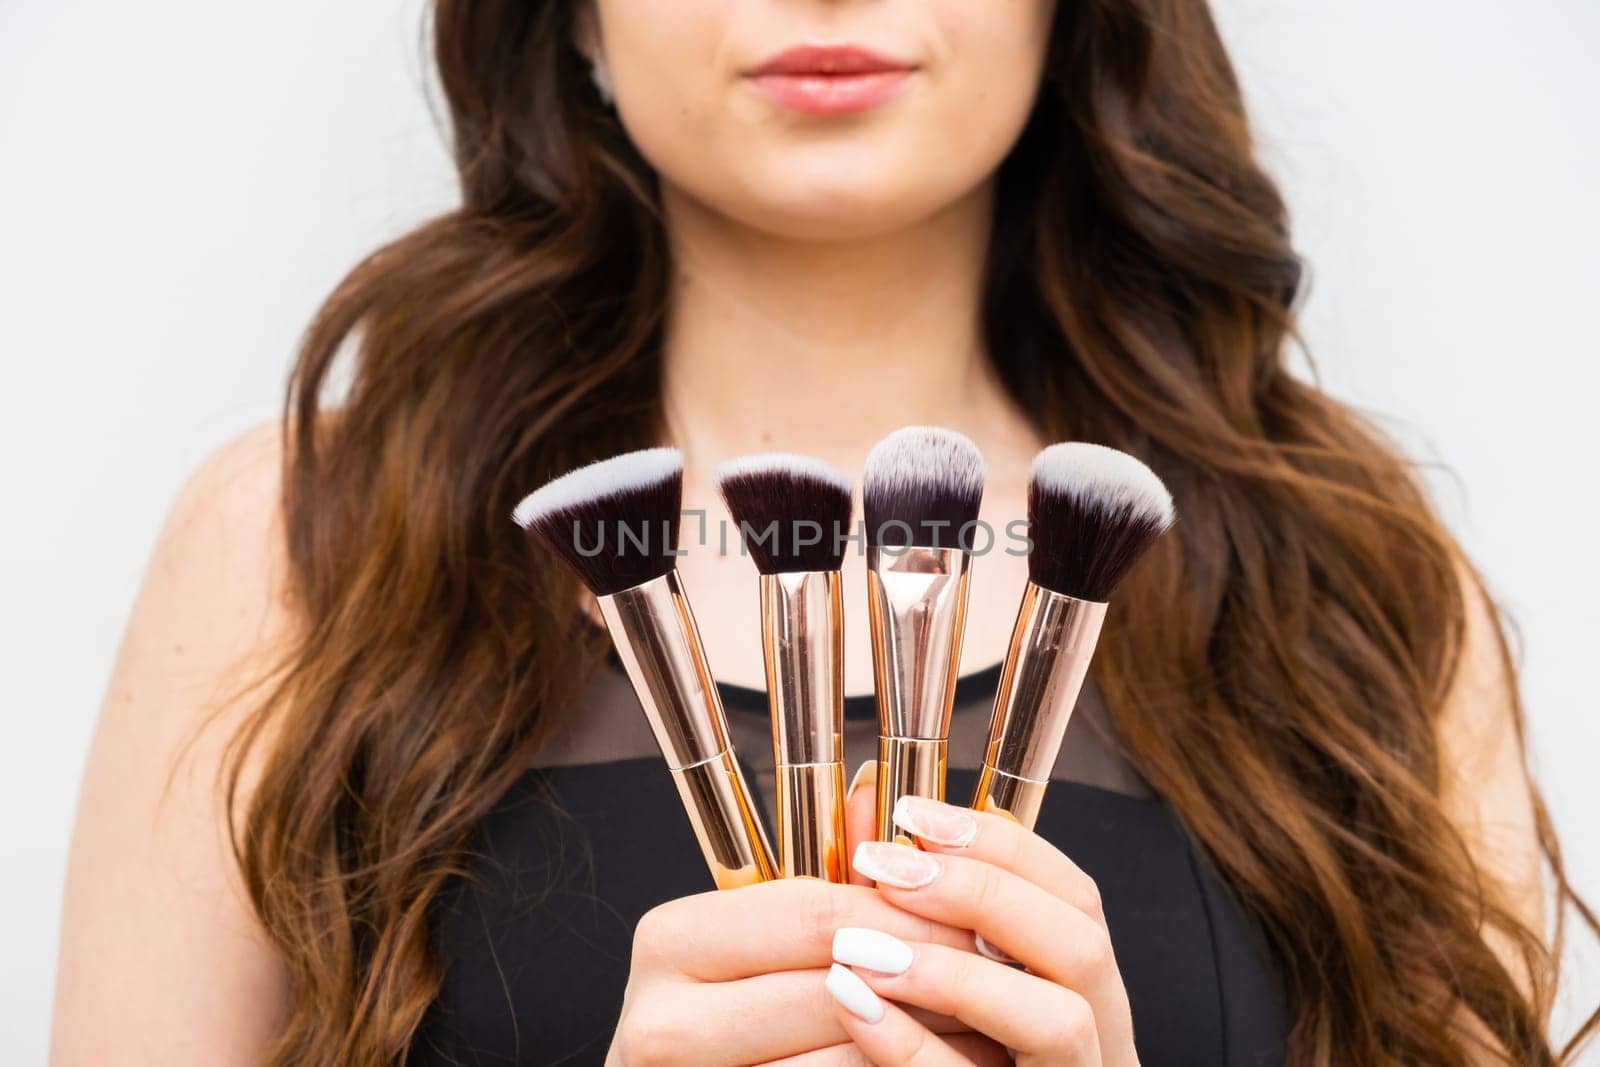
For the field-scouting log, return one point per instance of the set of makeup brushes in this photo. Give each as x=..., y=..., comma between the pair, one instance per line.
x=1092, y=513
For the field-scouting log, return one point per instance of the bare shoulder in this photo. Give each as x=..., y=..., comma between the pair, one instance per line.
x=1479, y=725
x=162, y=959
x=228, y=514
x=1486, y=788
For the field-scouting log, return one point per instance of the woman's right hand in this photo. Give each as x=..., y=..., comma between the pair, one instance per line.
x=736, y=975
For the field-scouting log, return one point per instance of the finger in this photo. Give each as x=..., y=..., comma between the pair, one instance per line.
x=782, y=925
x=885, y=1033
x=1051, y=937
x=973, y=1048
x=861, y=811
x=846, y=1055
x=1023, y=1011
x=999, y=839
x=712, y=1022
x=751, y=1020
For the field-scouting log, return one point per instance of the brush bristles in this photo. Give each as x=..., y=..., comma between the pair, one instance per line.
x=1092, y=513
x=922, y=486
x=793, y=512
x=614, y=522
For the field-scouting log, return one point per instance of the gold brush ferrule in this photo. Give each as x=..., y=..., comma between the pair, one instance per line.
x=725, y=822
x=658, y=642
x=811, y=840
x=802, y=638
x=917, y=603
x=1051, y=646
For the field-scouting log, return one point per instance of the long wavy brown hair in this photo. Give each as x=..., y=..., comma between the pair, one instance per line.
x=1295, y=639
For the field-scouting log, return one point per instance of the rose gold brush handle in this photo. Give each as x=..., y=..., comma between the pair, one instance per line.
x=658, y=642
x=907, y=766
x=811, y=840
x=802, y=638
x=725, y=822
x=1051, y=645
x=917, y=601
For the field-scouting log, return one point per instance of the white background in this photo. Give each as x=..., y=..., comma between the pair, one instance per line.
x=182, y=181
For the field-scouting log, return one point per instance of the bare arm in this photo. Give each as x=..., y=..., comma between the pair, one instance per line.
x=162, y=959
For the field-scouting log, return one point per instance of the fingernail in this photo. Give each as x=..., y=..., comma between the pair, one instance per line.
x=872, y=949
x=857, y=997
x=943, y=824
x=859, y=777
x=986, y=949
x=896, y=865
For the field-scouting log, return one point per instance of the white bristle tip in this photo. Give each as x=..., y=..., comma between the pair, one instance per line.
x=1095, y=472
x=919, y=455
x=783, y=463
x=598, y=480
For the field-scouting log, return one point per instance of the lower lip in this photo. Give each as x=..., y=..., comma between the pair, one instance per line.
x=832, y=94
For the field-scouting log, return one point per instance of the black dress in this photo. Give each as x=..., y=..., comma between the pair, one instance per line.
x=536, y=943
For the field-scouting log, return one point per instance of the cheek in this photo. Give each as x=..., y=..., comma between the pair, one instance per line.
x=667, y=72
x=991, y=72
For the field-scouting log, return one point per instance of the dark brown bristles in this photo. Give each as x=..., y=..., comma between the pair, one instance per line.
x=793, y=511
x=1093, y=512
x=922, y=486
x=614, y=522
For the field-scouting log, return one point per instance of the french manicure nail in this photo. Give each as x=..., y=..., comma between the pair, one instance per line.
x=860, y=776
x=872, y=949
x=930, y=820
x=985, y=949
x=896, y=865
x=857, y=997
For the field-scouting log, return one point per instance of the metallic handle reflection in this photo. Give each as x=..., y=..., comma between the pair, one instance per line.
x=1051, y=645
x=658, y=642
x=917, y=600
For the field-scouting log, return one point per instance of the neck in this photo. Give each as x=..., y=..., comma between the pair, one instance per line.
x=784, y=344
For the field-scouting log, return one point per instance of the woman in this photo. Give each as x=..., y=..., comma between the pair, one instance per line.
x=366, y=788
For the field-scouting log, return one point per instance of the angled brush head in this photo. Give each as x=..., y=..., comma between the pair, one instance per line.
x=1092, y=513
x=614, y=522
x=783, y=503
x=921, y=486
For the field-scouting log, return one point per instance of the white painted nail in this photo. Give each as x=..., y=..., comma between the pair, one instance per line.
x=857, y=997
x=872, y=949
x=929, y=820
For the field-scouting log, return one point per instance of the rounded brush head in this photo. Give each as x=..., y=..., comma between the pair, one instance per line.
x=1092, y=513
x=921, y=485
x=614, y=522
x=783, y=503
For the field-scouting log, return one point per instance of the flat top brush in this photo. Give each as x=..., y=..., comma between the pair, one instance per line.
x=794, y=511
x=615, y=523
x=794, y=514
x=921, y=489
x=1093, y=512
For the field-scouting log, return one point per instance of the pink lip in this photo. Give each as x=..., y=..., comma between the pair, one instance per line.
x=830, y=79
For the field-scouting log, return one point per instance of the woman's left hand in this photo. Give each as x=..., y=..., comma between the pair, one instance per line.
x=1022, y=897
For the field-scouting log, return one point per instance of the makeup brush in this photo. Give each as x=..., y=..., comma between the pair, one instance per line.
x=615, y=523
x=1093, y=512
x=921, y=489
x=794, y=513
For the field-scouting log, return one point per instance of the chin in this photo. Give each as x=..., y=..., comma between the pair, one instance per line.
x=834, y=204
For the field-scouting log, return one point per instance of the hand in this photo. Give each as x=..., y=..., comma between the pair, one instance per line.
x=737, y=975
x=982, y=872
